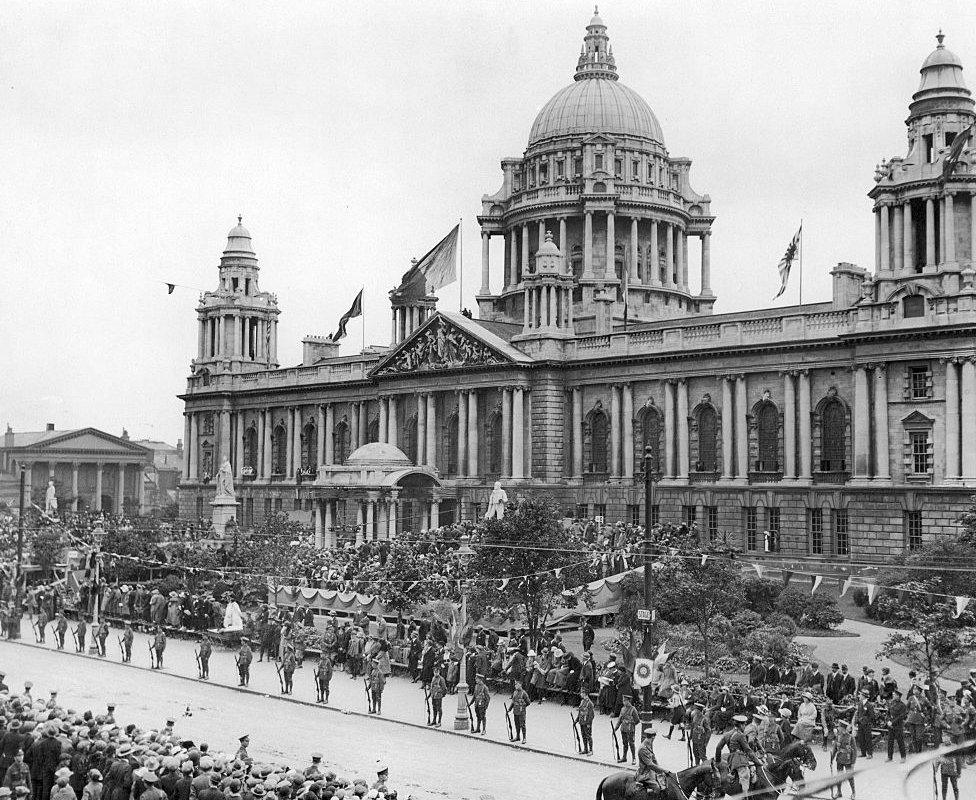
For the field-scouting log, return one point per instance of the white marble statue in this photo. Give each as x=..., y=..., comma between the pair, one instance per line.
x=225, y=480
x=497, y=501
x=51, y=500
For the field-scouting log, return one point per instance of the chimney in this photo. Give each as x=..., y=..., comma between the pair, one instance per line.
x=317, y=348
x=8, y=437
x=179, y=446
x=50, y=426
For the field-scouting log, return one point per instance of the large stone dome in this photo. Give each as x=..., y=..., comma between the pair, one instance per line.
x=596, y=105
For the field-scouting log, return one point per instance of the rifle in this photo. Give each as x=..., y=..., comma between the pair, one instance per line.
x=37, y=635
x=616, y=741
x=121, y=648
x=281, y=680
x=430, y=719
x=576, y=732
x=508, y=722
x=470, y=715
x=369, y=696
x=196, y=655
x=319, y=694
x=152, y=655
x=74, y=635
x=689, y=750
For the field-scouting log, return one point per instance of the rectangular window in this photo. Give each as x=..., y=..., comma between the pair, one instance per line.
x=543, y=173
x=636, y=170
x=278, y=504
x=598, y=161
x=582, y=512
x=919, y=450
x=633, y=514
x=267, y=506
x=599, y=512
x=560, y=168
x=655, y=515
x=249, y=511
x=752, y=527
x=842, y=543
x=691, y=515
x=711, y=522
x=199, y=506
x=578, y=166
x=618, y=167
x=816, y=531
x=772, y=525
x=297, y=505
x=919, y=383
x=913, y=529
x=928, y=142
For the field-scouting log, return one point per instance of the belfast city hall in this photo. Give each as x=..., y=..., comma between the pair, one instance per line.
x=840, y=429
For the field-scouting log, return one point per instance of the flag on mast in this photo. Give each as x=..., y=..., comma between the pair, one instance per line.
x=786, y=262
x=355, y=310
x=439, y=265
x=955, y=151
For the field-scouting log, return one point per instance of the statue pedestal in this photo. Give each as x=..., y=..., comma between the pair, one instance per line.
x=224, y=510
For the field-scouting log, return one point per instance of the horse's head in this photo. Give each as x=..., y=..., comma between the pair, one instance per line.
x=808, y=759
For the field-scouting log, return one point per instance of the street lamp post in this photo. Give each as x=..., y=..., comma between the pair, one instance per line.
x=13, y=628
x=463, y=554
x=97, y=535
x=647, y=647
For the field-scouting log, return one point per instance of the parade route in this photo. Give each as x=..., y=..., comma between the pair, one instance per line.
x=428, y=762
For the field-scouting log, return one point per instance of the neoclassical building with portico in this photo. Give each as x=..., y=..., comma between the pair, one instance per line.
x=841, y=427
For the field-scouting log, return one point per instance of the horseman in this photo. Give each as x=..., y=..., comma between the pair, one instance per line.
x=647, y=766
x=740, y=754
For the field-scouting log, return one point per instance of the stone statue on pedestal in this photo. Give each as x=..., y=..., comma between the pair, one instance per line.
x=225, y=481
x=497, y=501
x=51, y=500
x=225, y=500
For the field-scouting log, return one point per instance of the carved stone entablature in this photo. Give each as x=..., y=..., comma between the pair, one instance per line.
x=441, y=345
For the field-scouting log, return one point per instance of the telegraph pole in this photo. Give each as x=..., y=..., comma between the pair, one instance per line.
x=647, y=648
x=13, y=630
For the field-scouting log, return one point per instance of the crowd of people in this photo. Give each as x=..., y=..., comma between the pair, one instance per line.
x=51, y=752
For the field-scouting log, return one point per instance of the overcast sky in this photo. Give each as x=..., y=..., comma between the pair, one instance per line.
x=352, y=136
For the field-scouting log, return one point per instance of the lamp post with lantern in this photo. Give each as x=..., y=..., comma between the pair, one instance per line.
x=463, y=556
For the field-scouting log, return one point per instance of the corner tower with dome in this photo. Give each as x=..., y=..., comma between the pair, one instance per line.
x=597, y=175
x=843, y=427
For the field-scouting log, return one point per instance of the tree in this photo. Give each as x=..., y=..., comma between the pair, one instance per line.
x=530, y=540
x=47, y=547
x=933, y=646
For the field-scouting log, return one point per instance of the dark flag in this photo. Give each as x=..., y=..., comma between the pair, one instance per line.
x=786, y=262
x=439, y=266
x=955, y=151
x=356, y=310
x=413, y=285
x=170, y=287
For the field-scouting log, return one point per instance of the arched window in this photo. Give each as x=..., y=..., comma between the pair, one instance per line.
x=833, y=430
x=373, y=431
x=649, y=436
x=340, y=442
x=913, y=305
x=767, y=430
x=411, y=444
x=707, y=439
x=452, y=445
x=251, y=449
x=495, y=444
x=596, y=433
x=310, y=447
x=279, y=451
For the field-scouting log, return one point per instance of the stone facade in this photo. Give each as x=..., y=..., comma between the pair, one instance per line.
x=843, y=429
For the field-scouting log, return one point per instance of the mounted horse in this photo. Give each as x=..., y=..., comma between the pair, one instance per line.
x=788, y=763
x=706, y=780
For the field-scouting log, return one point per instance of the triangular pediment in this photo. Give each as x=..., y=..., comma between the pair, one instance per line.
x=449, y=341
x=91, y=440
x=917, y=419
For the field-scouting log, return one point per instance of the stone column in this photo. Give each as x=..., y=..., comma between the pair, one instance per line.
x=384, y=411
x=727, y=427
x=473, y=431
x=141, y=490
x=789, y=427
x=421, y=429
x=706, y=265
x=972, y=229
x=485, y=250
x=652, y=267
x=681, y=259
x=296, y=445
x=526, y=311
x=885, y=238
x=951, y=422
x=320, y=433
x=805, y=440
x=289, y=441
x=929, y=232
x=525, y=249
x=942, y=232
x=541, y=233
x=908, y=235
x=577, y=433
x=392, y=428
x=354, y=433
x=328, y=453
x=898, y=245
x=634, y=250
x=431, y=448
x=969, y=420
x=74, y=485
x=669, y=431
x=518, y=434
x=950, y=229
x=225, y=438
x=267, y=427
x=881, y=454
x=319, y=527
x=363, y=422
x=98, y=485
x=201, y=338
x=241, y=430
x=683, y=447
x=611, y=269
x=669, y=255
x=614, y=431
x=391, y=518
x=360, y=524
x=628, y=430
x=877, y=240
x=435, y=512
x=187, y=446
x=588, y=245
x=862, y=426
x=510, y=276
x=462, y=438
x=562, y=238
x=327, y=525
x=193, y=451
x=370, y=533
x=506, y=431
x=741, y=431
x=393, y=328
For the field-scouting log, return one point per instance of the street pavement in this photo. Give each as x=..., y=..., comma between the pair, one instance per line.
x=429, y=763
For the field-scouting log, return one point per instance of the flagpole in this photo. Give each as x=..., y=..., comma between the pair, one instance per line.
x=460, y=264
x=801, y=262
x=363, y=315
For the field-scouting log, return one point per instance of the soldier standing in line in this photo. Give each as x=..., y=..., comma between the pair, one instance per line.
x=206, y=649
x=244, y=656
x=627, y=725
x=159, y=645
x=438, y=688
x=102, y=637
x=60, y=629
x=80, y=632
x=377, y=683
x=701, y=732
x=127, y=638
x=520, y=701
x=482, y=697
x=288, y=664
x=585, y=714
x=323, y=677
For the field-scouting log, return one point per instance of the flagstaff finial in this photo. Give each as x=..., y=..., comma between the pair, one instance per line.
x=939, y=37
x=240, y=218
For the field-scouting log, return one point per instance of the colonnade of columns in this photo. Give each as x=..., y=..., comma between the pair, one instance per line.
x=118, y=496
x=673, y=236
x=548, y=307
x=871, y=451
x=406, y=319
x=896, y=250
x=237, y=335
x=960, y=420
x=377, y=516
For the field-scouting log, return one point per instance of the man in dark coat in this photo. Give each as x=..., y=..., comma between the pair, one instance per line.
x=45, y=756
x=12, y=741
